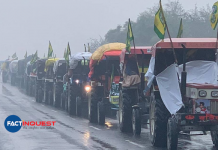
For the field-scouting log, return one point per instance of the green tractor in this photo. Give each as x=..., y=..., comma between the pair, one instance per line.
x=59, y=70
x=40, y=78
x=79, y=86
x=49, y=79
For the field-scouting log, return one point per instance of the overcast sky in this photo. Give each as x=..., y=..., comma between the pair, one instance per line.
x=28, y=25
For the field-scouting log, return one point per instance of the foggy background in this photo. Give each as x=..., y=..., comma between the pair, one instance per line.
x=28, y=25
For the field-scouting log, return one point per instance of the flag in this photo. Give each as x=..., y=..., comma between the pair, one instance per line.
x=14, y=56
x=50, y=50
x=68, y=49
x=34, y=57
x=130, y=37
x=25, y=56
x=67, y=57
x=179, y=35
x=214, y=16
x=159, y=23
x=89, y=50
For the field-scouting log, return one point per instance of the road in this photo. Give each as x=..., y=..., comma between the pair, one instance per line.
x=71, y=133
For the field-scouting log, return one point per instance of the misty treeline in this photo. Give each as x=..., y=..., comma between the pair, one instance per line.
x=195, y=24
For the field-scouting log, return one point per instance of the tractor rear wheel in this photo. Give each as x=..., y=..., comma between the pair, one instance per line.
x=93, y=116
x=101, y=113
x=72, y=99
x=158, y=123
x=172, y=134
x=57, y=94
x=125, y=112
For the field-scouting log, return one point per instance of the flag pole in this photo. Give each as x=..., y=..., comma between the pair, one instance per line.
x=168, y=33
x=133, y=37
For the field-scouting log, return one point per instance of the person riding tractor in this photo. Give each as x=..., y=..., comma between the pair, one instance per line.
x=13, y=67
x=40, y=77
x=48, y=84
x=184, y=89
x=59, y=71
x=79, y=85
x=5, y=70
x=104, y=70
x=133, y=104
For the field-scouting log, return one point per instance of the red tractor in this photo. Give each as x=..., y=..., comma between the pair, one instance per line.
x=104, y=70
x=133, y=104
x=184, y=89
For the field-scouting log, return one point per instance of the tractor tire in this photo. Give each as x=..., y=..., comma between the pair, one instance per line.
x=136, y=121
x=158, y=123
x=101, y=113
x=214, y=137
x=125, y=112
x=72, y=100
x=78, y=106
x=172, y=134
x=57, y=95
x=46, y=90
x=93, y=116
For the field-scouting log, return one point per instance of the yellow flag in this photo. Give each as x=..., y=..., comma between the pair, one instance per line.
x=214, y=16
x=159, y=23
x=129, y=37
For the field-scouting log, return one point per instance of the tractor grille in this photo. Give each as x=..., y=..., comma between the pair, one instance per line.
x=214, y=107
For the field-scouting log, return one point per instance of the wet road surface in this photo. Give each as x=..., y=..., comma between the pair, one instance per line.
x=71, y=133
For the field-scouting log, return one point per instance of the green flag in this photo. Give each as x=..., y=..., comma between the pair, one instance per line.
x=68, y=49
x=34, y=57
x=159, y=23
x=179, y=35
x=130, y=37
x=50, y=50
x=214, y=16
x=14, y=56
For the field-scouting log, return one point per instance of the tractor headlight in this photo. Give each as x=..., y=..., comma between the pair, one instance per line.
x=77, y=81
x=214, y=93
x=202, y=93
x=87, y=88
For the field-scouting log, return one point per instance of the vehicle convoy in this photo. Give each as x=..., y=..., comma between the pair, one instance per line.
x=5, y=70
x=13, y=68
x=133, y=104
x=49, y=79
x=79, y=86
x=184, y=97
x=59, y=70
x=104, y=66
x=40, y=79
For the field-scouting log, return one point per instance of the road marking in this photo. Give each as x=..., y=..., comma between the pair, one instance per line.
x=135, y=143
x=53, y=110
x=43, y=105
x=94, y=128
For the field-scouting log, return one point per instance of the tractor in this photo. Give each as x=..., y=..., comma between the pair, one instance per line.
x=59, y=70
x=49, y=79
x=104, y=71
x=183, y=89
x=32, y=79
x=40, y=78
x=133, y=104
x=79, y=86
